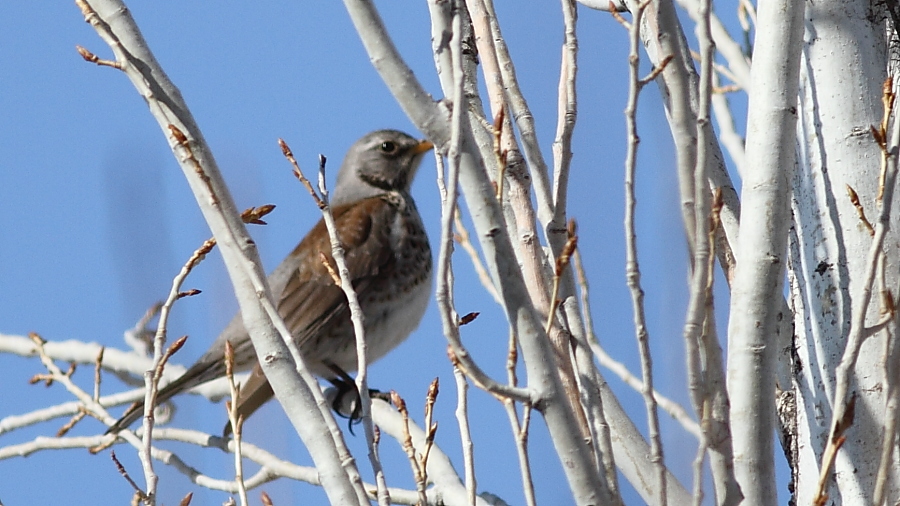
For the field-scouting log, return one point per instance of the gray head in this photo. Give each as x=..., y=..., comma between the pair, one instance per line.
x=381, y=161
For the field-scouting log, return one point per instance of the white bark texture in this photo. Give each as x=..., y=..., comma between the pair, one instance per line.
x=844, y=64
x=760, y=253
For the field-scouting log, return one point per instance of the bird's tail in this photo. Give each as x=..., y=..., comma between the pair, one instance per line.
x=201, y=372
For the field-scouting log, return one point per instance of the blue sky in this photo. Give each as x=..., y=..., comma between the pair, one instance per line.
x=98, y=218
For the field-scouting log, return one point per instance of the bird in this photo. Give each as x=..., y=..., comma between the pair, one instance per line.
x=389, y=258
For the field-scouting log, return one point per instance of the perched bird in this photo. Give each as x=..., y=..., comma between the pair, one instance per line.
x=389, y=260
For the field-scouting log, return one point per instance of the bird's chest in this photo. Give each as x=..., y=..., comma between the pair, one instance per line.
x=411, y=264
x=396, y=307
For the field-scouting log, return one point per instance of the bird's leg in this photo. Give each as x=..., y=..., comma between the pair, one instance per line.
x=345, y=384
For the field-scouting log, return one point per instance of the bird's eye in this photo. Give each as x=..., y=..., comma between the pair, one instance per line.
x=388, y=147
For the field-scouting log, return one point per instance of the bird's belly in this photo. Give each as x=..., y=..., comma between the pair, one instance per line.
x=388, y=323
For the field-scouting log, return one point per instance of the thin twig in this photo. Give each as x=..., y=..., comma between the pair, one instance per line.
x=512, y=357
x=728, y=135
x=465, y=434
x=160, y=357
x=521, y=441
x=522, y=446
x=835, y=441
x=96, y=397
x=562, y=263
x=499, y=153
x=566, y=114
x=675, y=410
x=843, y=398
x=71, y=423
x=520, y=214
x=618, y=17
x=430, y=426
x=632, y=269
x=707, y=372
x=91, y=57
x=738, y=69
x=720, y=69
x=488, y=27
x=298, y=173
x=604, y=436
x=97, y=373
x=700, y=304
x=446, y=304
x=701, y=455
x=860, y=211
x=356, y=314
x=236, y=419
x=409, y=449
x=137, y=490
x=655, y=72
x=887, y=100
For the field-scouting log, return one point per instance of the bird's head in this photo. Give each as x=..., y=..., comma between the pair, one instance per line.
x=381, y=161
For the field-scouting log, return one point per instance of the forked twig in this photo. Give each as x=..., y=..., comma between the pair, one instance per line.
x=236, y=419
x=142, y=496
x=409, y=449
x=344, y=282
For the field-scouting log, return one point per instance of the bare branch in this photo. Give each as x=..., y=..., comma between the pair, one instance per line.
x=237, y=423
x=757, y=289
x=278, y=357
x=356, y=318
x=632, y=270
x=465, y=435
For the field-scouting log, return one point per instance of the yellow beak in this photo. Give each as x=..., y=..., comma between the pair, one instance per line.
x=422, y=147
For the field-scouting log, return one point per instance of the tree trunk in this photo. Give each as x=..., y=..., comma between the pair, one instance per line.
x=844, y=65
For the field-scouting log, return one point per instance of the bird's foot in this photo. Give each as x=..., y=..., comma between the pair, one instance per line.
x=345, y=400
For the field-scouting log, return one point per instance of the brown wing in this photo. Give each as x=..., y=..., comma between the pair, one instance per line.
x=311, y=300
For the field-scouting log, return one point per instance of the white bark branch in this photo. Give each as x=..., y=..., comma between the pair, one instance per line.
x=540, y=362
x=115, y=25
x=756, y=292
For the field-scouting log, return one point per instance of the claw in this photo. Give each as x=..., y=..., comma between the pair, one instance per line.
x=346, y=385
